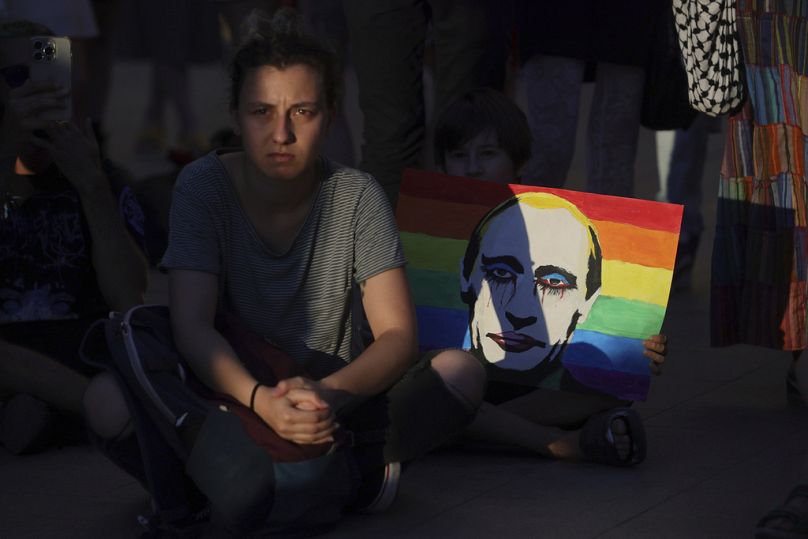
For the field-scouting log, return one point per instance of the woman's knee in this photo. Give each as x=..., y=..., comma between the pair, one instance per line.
x=105, y=408
x=462, y=374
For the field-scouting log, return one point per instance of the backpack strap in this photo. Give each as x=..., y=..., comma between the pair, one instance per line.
x=136, y=363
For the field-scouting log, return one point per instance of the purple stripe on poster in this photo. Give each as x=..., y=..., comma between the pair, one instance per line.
x=628, y=386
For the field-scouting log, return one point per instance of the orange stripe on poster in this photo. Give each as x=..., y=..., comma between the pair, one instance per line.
x=619, y=241
x=643, y=246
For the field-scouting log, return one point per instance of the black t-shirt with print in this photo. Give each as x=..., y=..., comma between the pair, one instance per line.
x=46, y=272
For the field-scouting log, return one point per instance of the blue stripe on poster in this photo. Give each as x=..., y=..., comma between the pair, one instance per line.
x=441, y=328
x=598, y=350
x=613, y=365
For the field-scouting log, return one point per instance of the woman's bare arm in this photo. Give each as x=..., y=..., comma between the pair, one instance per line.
x=391, y=315
x=193, y=299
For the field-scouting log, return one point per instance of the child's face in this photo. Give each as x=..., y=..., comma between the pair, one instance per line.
x=483, y=158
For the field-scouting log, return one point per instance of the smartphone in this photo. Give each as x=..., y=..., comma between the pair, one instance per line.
x=49, y=62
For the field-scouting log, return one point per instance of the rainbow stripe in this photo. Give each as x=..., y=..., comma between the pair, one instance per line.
x=436, y=215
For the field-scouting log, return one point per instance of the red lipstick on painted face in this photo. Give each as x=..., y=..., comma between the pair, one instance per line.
x=511, y=341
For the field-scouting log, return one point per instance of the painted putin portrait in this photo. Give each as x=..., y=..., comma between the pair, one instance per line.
x=530, y=275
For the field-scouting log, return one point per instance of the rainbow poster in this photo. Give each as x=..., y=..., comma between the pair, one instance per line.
x=549, y=287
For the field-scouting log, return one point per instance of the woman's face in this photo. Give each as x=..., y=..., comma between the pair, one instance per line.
x=483, y=158
x=283, y=120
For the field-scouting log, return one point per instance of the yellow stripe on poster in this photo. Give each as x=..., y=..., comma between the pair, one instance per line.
x=632, y=281
x=620, y=279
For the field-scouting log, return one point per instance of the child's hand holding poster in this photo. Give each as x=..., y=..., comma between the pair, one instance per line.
x=550, y=288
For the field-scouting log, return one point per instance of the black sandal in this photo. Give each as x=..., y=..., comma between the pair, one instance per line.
x=597, y=439
x=798, y=521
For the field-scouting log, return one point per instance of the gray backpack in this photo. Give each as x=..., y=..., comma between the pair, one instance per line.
x=193, y=450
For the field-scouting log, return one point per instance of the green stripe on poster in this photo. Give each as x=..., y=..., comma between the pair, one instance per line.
x=435, y=288
x=624, y=318
x=429, y=252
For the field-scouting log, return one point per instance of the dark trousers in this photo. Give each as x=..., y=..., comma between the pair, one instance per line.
x=415, y=416
x=686, y=169
x=387, y=45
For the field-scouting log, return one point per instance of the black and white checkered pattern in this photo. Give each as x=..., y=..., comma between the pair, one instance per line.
x=709, y=41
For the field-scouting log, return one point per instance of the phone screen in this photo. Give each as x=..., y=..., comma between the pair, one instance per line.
x=15, y=75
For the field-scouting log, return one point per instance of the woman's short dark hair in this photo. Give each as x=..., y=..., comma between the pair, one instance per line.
x=478, y=111
x=281, y=42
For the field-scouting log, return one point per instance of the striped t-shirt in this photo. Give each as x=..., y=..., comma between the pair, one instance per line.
x=301, y=301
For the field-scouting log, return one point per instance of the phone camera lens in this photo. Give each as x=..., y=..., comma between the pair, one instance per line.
x=49, y=50
x=38, y=56
x=38, y=45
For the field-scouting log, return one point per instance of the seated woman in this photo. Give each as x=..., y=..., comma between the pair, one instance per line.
x=67, y=255
x=288, y=242
x=484, y=135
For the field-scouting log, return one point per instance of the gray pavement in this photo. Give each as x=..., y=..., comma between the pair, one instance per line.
x=723, y=446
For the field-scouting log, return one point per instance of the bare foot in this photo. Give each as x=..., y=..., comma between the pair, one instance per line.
x=567, y=447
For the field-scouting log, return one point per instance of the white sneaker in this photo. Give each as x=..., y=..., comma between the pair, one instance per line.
x=387, y=483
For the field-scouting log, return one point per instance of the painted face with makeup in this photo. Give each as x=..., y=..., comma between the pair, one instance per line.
x=530, y=284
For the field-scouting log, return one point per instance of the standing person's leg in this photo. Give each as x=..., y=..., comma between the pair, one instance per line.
x=90, y=99
x=175, y=81
x=152, y=138
x=470, y=49
x=470, y=52
x=387, y=44
x=169, y=85
x=553, y=90
x=684, y=187
x=686, y=169
x=327, y=21
x=614, y=128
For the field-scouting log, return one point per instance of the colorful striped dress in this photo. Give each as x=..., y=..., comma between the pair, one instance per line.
x=759, y=256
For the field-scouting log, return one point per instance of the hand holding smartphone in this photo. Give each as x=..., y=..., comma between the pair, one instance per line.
x=45, y=61
x=50, y=63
